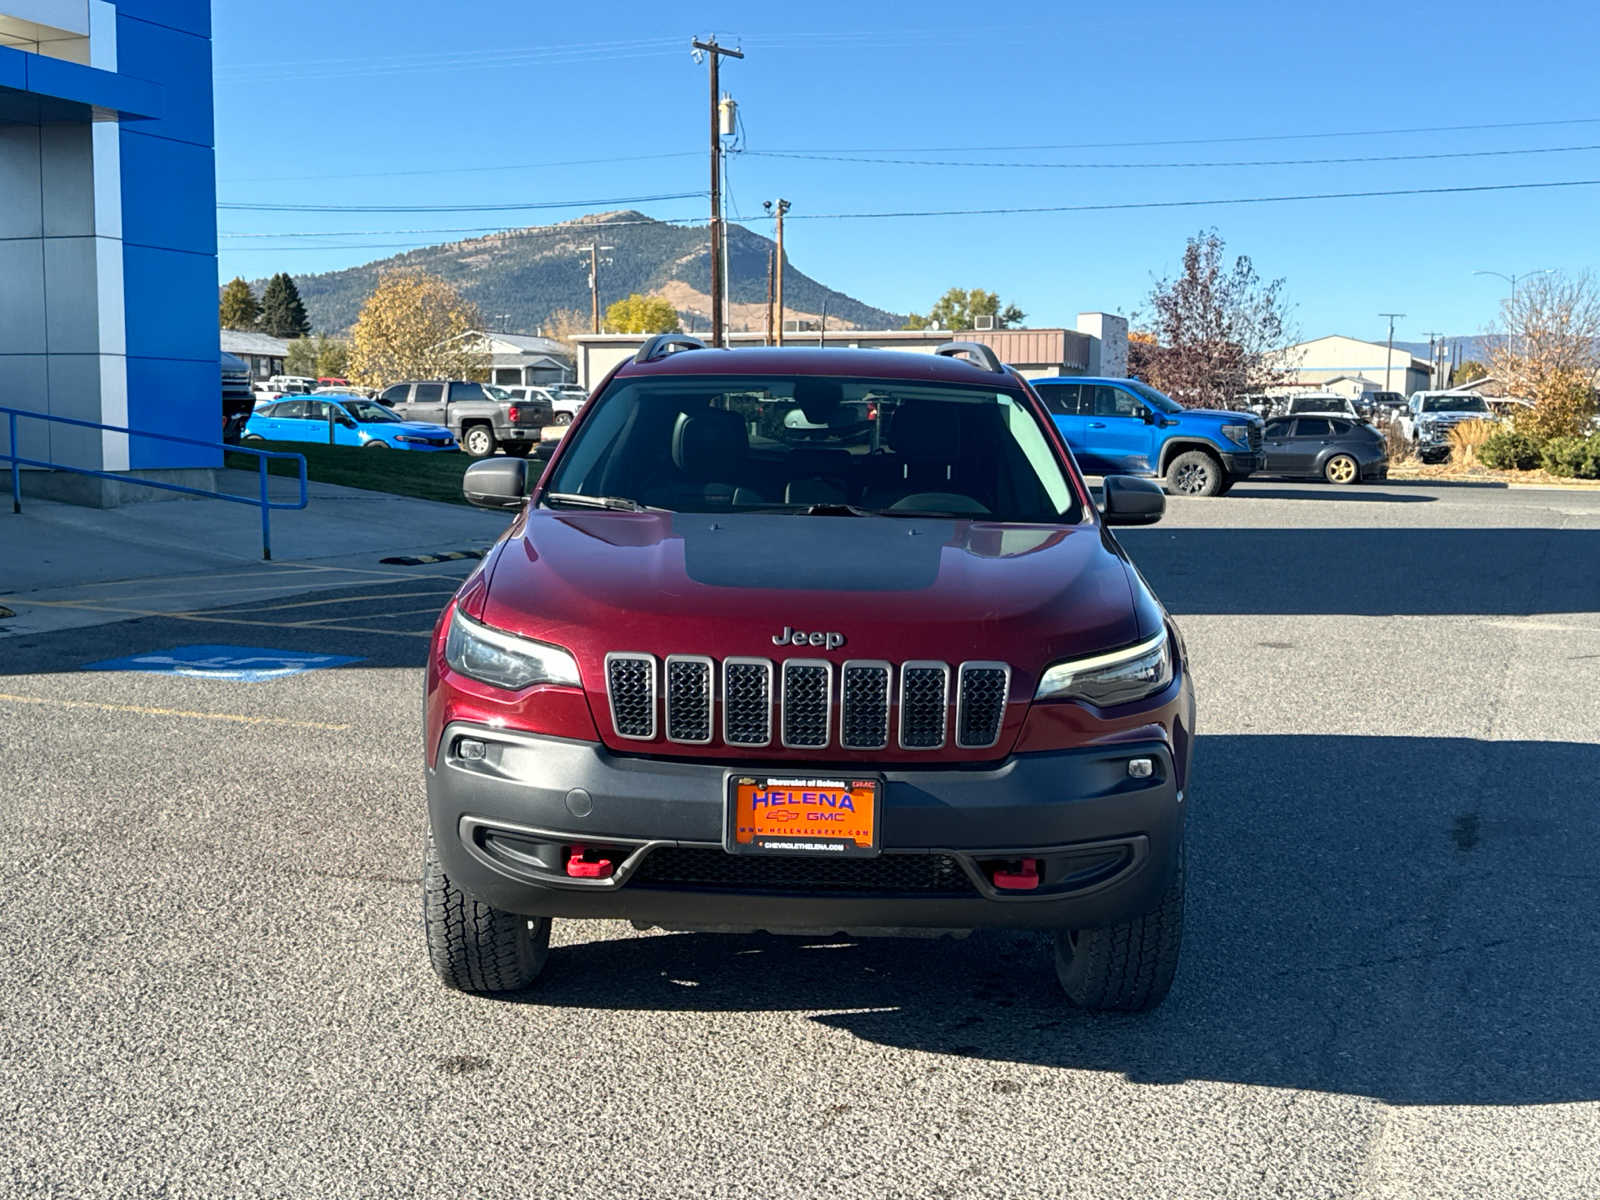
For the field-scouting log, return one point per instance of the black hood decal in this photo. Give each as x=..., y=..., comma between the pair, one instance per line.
x=841, y=554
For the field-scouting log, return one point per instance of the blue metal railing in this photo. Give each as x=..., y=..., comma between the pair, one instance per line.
x=263, y=502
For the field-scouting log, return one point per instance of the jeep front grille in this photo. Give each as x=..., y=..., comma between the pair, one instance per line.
x=813, y=703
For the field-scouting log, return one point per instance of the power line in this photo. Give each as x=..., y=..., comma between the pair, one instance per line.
x=497, y=167
x=565, y=229
x=1062, y=208
x=1110, y=166
x=1212, y=141
x=408, y=208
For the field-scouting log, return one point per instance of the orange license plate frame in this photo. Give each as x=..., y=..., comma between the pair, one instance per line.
x=811, y=816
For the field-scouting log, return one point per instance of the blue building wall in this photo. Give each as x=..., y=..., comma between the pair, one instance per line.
x=169, y=232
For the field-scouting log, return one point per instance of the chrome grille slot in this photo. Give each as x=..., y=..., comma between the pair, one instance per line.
x=688, y=694
x=631, y=686
x=981, y=703
x=807, y=702
x=924, y=705
x=746, y=701
x=864, y=705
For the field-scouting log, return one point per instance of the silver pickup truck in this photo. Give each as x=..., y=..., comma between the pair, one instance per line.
x=484, y=418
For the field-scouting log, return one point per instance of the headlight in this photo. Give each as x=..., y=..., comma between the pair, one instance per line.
x=1116, y=678
x=503, y=659
x=1238, y=434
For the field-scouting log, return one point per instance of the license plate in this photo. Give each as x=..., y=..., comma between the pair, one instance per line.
x=833, y=816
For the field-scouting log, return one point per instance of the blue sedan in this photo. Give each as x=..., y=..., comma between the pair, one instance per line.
x=343, y=421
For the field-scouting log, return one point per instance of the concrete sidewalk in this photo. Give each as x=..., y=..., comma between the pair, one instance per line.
x=52, y=545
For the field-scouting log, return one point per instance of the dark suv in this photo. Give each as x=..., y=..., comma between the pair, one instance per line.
x=878, y=667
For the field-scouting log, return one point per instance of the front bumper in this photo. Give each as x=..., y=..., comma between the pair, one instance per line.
x=506, y=824
x=1240, y=465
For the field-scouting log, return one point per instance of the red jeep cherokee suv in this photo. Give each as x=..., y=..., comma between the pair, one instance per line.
x=809, y=640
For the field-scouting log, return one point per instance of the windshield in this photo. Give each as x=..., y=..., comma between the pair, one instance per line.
x=720, y=444
x=1447, y=404
x=496, y=393
x=1157, y=400
x=369, y=411
x=1315, y=404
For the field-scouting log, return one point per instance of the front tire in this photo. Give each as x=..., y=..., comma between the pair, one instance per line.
x=563, y=418
x=1341, y=469
x=1127, y=967
x=1194, y=473
x=474, y=948
x=376, y=444
x=478, y=441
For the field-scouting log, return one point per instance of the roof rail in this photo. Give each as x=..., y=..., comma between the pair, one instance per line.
x=981, y=355
x=664, y=344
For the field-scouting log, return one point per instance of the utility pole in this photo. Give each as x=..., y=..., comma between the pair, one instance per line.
x=777, y=209
x=710, y=48
x=770, y=260
x=595, y=263
x=1435, y=353
x=1388, y=359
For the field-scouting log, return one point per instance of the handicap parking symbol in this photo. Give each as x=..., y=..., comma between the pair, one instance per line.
x=235, y=664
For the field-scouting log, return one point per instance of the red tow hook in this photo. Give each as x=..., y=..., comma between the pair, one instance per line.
x=579, y=866
x=1024, y=879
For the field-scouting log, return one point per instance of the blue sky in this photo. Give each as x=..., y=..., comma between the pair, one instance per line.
x=407, y=102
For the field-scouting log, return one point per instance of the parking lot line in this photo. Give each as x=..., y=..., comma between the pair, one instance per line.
x=186, y=714
x=259, y=608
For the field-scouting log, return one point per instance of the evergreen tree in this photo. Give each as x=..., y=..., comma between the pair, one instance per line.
x=239, y=308
x=282, y=313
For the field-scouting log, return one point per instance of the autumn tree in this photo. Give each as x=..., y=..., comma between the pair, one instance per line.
x=239, y=308
x=1218, y=329
x=958, y=307
x=1547, y=349
x=642, y=314
x=1469, y=370
x=414, y=326
x=564, y=324
x=282, y=313
x=320, y=357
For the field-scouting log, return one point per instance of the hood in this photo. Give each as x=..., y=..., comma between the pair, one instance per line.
x=1220, y=415
x=729, y=584
x=418, y=428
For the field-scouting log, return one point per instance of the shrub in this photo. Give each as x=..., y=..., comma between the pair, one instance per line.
x=1507, y=450
x=1572, y=457
x=1466, y=440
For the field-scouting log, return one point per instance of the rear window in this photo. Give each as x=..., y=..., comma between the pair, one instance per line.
x=716, y=444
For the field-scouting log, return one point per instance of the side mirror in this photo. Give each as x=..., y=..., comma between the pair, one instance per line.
x=1131, y=501
x=1149, y=416
x=496, y=483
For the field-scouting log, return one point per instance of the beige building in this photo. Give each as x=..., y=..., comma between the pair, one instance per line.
x=1099, y=346
x=1324, y=361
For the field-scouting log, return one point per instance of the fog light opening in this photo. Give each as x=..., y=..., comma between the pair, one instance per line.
x=471, y=749
x=1141, y=768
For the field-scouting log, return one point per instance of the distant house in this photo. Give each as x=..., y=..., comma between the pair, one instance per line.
x=264, y=354
x=517, y=359
x=1313, y=365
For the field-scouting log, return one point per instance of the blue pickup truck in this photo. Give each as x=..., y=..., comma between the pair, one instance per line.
x=1125, y=427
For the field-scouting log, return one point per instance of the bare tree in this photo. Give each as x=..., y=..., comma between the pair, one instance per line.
x=1217, y=330
x=1547, y=349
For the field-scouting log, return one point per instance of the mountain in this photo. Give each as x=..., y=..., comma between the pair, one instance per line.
x=1473, y=346
x=518, y=278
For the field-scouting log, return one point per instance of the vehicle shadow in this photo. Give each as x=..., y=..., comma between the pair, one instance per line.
x=1350, y=930
x=1384, y=571
x=1371, y=493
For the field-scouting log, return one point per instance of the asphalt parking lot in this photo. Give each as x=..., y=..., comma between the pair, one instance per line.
x=214, y=981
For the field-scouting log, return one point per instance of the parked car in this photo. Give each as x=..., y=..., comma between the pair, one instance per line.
x=1123, y=426
x=237, y=399
x=1326, y=403
x=343, y=421
x=710, y=679
x=1386, y=404
x=1337, y=449
x=1429, y=417
x=562, y=408
x=482, y=417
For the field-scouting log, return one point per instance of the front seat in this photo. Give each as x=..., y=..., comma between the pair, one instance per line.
x=925, y=436
x=710, y=449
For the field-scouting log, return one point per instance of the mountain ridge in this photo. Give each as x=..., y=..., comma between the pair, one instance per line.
x=518, y=277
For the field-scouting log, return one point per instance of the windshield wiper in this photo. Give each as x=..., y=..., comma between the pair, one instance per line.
x=578, y=500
